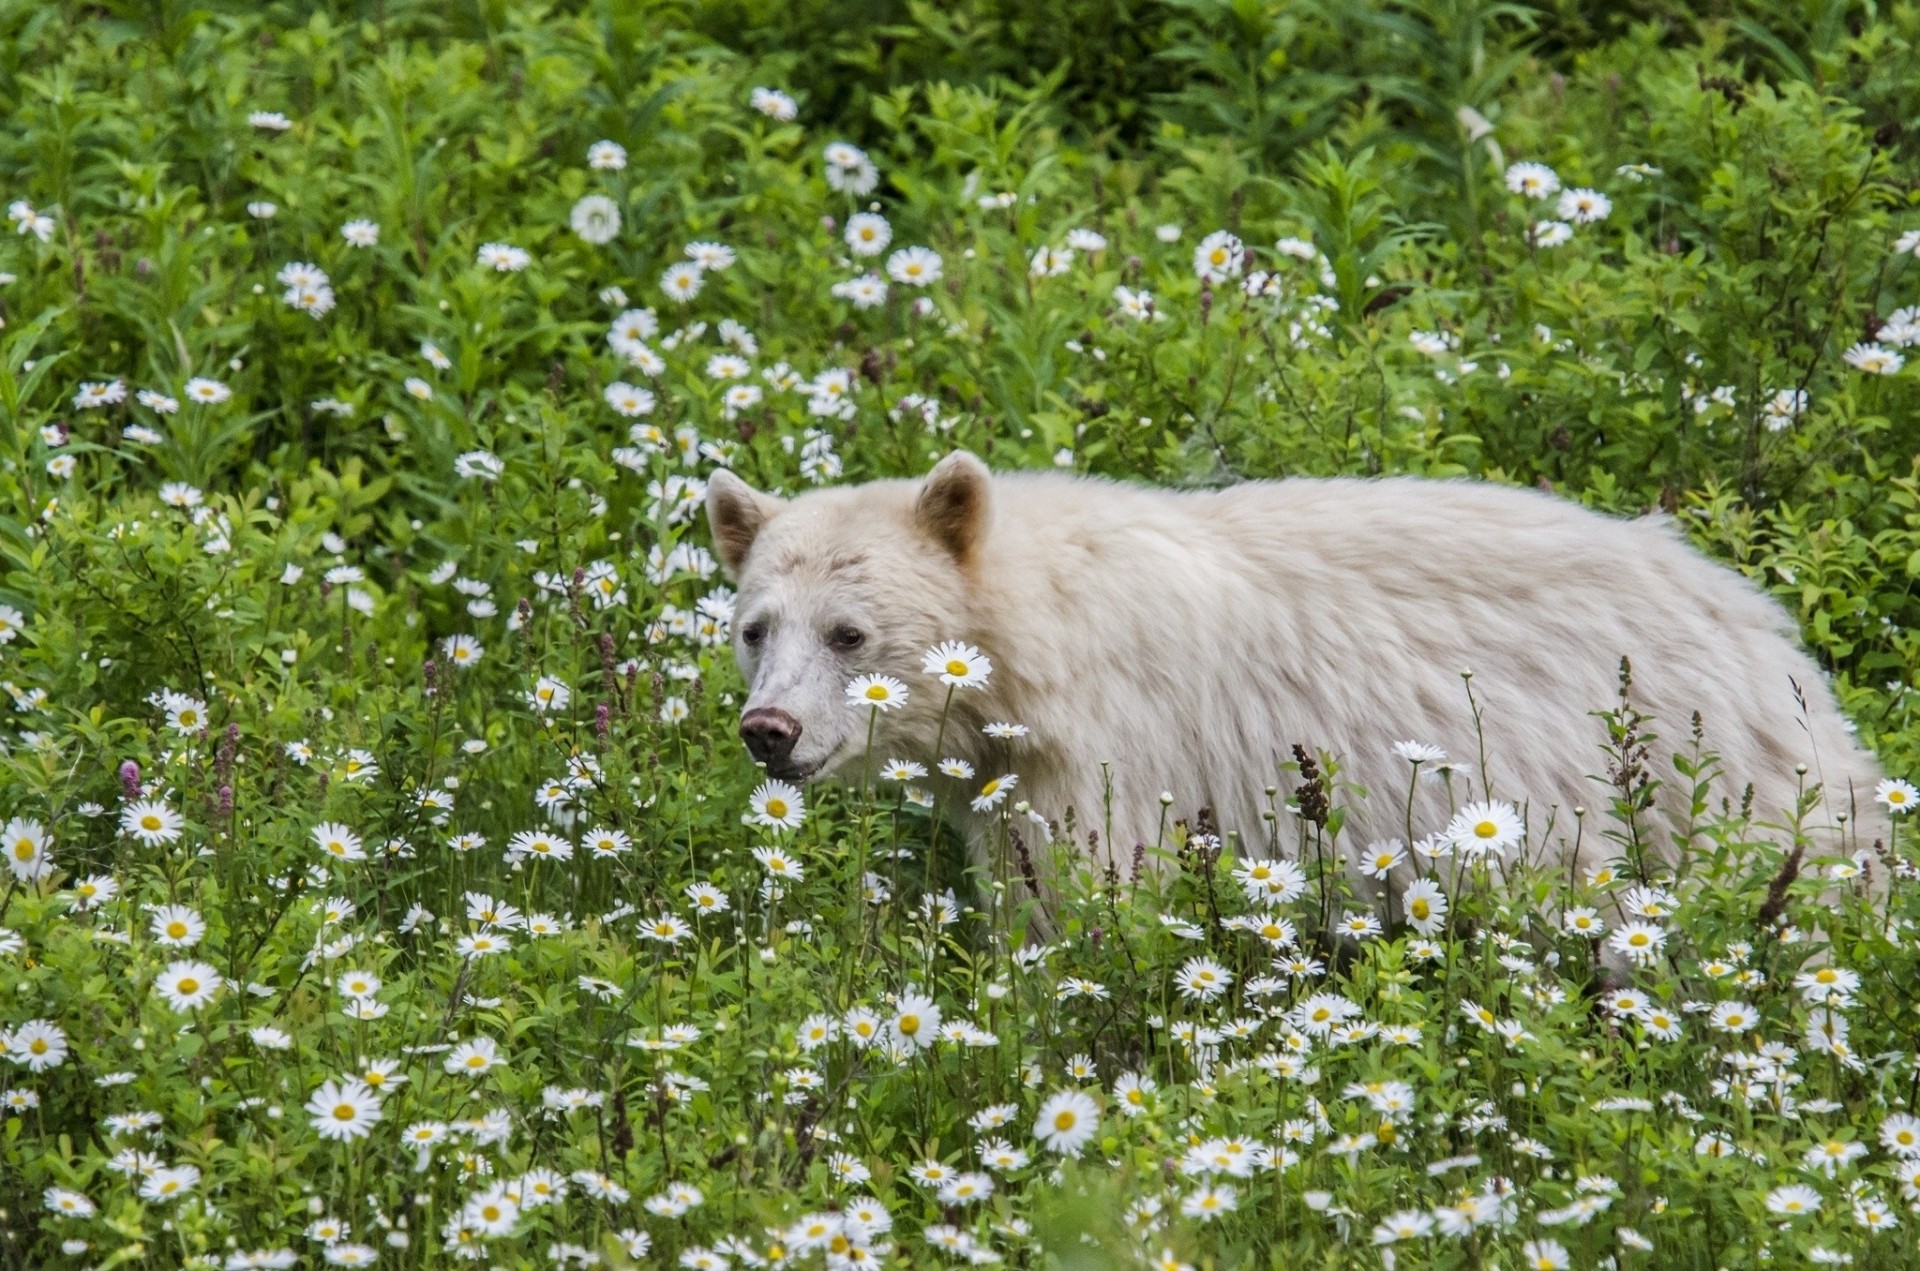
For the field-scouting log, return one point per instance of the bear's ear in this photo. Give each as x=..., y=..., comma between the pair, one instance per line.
x=736, y=513
x=952, y=508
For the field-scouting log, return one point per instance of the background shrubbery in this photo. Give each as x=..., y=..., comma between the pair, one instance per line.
x=435, y=455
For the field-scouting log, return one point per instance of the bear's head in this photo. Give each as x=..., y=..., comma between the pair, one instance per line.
x=837, y=584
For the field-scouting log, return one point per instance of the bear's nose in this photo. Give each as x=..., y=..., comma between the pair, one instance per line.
x=770, y=733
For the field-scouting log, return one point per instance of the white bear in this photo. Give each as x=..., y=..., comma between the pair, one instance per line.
x=1185, y=641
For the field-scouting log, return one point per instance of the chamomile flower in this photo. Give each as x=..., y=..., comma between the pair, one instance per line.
x=778, y=806
x=1896, y=796
x=914, y=266
x=339, y=842
x=152, y=822
x=343, y=1110
x=187, y=986
x=879, y=692
x=994, y=792
x=1485, y=828
x=1067, y=1122
x=957, y=664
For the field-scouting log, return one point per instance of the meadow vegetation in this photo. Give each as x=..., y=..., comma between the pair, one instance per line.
x=387, y=885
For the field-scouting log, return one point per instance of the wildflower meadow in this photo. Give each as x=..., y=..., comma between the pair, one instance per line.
x=387, y=884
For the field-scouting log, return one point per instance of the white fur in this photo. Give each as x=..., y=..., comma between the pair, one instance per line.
x=1188, y=640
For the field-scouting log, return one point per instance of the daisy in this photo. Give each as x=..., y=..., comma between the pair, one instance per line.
x=1545, y=1255
x=1137, y=305
x=1874, y=359
x=1583, y=206
x=707, y=899
x=1533, y=180
x=205, y=391
x=915, y=1023
x=1900, y=1135
x=152, y=822
x=343, y=1110
x=1640, y=941
x=1381, y=859
x=339, y=842
x=879, y=692
x=1793, y=1201
x=473, y=1058
x=1584, y=922
x=1549, y=233
x=606, y=156
x=360, y=233
x=1218, y=257
x=602, y=844
x=170, y=1184
x=462, y=650
x=187, y=986
x=1133, y=1092
x=994, y=792
x=778, y=864
x=1425, y=906
x=549, y=695
x=682, y=282
x=667, y=929
x=1897, y=797
x=26, y=847
x=39, y=1044
x=596, y=219
x=69, y=1204
x=628, y=400
x=774, y=104
x=867, y=234
x=710, y=256
x=1733, y=1017
x=915, y=266
x=176, y=926
x=902, y=770
x=1202, y=979
x=778, y=806
x=956, y=768
x=1067, y=1122
x=957, y=664
x=1209, y=1203
x=502, y=258
x=1485, y=827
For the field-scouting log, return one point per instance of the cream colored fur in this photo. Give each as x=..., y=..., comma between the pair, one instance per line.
x=1188, y=640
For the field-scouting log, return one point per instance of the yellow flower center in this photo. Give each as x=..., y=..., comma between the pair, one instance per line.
x=989, y=788
x=1065, y=1121
x=776, y=808
x=956, y=667
x=1486, y=830
x=149, y=822
x=38, y=1046
x=189, y=985
x=343, y=1112
x=1420, y=909
x=176, y=929
x=23, y=850
x=876, y=692
x=909, y=1024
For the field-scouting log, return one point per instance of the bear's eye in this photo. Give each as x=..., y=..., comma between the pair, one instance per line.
x=753, y=633
x=846, y=638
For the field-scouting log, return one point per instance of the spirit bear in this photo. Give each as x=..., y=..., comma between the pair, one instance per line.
x=1183, y=642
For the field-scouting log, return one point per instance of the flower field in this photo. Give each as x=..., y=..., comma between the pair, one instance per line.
x=387, y=884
